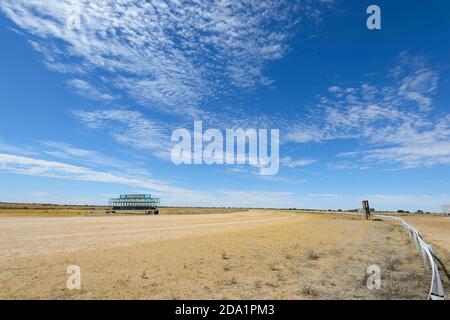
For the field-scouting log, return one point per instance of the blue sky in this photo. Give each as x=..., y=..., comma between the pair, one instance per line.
x=88, y=106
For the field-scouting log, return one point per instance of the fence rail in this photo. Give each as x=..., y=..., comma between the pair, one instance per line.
x=436, y=289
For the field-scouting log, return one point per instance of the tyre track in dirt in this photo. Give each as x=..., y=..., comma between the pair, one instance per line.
x=24, y=236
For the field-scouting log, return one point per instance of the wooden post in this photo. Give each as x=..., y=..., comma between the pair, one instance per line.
x=366, y=209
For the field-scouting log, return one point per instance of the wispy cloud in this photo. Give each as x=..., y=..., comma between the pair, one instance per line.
x=135, y=130
x=392, y=121
x=416, y=80
x=172, y=195
x=294, y=163
x=87, y=90
x=22, y=150
x=167, y=55
x=130, y=128
x=87, y=157
x=44, y=168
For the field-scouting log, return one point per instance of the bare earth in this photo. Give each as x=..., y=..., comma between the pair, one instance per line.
x=39, y=210
x=435, y=229
x=257, y=254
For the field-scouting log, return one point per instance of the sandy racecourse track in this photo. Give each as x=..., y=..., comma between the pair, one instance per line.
x=21, y=237
x=435, y=229
x=257, y=254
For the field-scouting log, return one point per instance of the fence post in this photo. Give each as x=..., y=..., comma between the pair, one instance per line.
x=366, y=208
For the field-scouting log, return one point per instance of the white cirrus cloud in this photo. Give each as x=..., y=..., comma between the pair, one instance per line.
x=89, y=158
x=86, y=89
x=167, y=55
x=294, y=163
x=130, y=128
x=170, y=194
x=392, y=122
x=55, y=169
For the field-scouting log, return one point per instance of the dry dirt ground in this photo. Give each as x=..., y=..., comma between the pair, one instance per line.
x=257, y=254
x=435, y=230
x=39, y=210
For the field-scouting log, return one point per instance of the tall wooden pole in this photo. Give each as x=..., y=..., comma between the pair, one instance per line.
x=366, y=209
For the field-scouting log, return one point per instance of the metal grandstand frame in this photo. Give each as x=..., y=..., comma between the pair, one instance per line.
x=135, y=202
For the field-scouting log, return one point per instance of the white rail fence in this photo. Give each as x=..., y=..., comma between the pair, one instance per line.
x=436, y=289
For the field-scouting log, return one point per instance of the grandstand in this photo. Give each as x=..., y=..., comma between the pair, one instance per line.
x=135, y=203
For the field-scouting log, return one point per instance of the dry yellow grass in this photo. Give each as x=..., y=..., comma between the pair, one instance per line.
x=89, y=211
x=249, y=255
x=436, y=231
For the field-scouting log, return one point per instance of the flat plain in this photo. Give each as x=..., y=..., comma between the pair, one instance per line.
x=254, y=254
